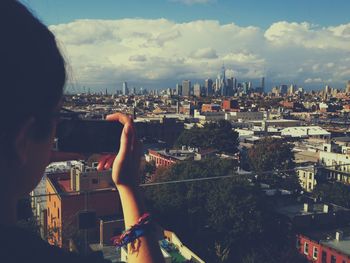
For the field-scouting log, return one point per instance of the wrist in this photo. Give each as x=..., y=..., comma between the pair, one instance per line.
x=132, y=203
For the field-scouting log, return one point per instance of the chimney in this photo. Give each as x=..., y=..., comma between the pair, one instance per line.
x=101, y=233
x=339, y=235
x=325, y=209
x=307, y=207
x=73, y=182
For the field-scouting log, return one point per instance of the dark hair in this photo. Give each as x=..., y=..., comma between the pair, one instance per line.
x=32, y=70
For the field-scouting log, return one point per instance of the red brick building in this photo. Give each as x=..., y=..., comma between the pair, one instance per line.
x=161, y=159
x=230, y=105
x=167, y=157
x=324, y=247
x=70, y=193
x=210, y=108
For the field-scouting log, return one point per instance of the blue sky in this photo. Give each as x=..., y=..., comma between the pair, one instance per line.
x=157, y=43
x=260, y=13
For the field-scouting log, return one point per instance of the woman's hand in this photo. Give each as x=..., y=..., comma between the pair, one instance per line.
x=126, y=165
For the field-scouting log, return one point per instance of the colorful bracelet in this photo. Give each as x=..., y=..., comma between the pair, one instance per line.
x=134, y=232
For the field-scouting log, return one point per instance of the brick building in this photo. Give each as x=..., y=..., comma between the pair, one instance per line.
x=211, y=108
x=230, y=105
x=168, y=157
x=325, y=247
x=81, y=189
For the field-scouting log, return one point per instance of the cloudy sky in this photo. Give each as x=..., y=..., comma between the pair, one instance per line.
x=157, y=43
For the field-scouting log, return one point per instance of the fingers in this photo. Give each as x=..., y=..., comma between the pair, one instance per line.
x=119, y=117
x=109, y=162
x=125, y=142
x=128, y=133
x=103, y=161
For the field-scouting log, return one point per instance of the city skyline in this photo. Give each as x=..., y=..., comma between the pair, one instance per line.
x=158, y=50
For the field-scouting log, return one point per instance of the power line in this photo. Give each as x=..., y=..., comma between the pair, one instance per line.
x=234, y=175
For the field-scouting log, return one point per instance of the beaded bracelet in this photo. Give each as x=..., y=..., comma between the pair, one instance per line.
x=134, y=232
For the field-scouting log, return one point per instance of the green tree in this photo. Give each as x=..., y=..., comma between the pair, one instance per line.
x=218, y=135
x=271, y=154
x=224, y=220
x=273, y=161
x=337, y=193
x=149, y=170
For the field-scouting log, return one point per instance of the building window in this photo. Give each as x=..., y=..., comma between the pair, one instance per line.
x=58, y=213
x=315, y=253
x=333, y=259
x=306, y=248
x=54, y=204
x=324, y=257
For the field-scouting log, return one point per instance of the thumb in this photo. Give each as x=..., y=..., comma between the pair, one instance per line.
x=125, y=142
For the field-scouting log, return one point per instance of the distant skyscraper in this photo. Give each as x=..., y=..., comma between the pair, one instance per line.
x=125, y=89
x=178, y=89
x=245, y=88
x=197, y=90
x=223, y=83
x=208, y=85
x=263, y=84
x=250, y=85
x=276, y=91
x=235, y=88
x=283, y=89
x=328, y=89
x=223, y=73
x=218, y=85
x=347, y=90
x=230, y=84
x=186, y=88
x=292, y=89
x=223, y=89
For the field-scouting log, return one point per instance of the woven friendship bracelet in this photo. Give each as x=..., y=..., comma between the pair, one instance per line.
x=134, y=232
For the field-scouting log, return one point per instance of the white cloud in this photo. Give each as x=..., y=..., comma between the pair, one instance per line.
x=160, y=52
x=308, y=36
x=206, y=53
x=138, y=58
x=315, y=80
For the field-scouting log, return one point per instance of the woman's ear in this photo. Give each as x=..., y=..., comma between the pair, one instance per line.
x=23, y=141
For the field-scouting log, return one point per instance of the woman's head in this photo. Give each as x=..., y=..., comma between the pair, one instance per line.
x=32, y=77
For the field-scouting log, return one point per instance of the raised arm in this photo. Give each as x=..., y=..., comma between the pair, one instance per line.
x=125, y=174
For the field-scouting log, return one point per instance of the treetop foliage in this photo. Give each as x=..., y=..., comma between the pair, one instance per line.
x=271, y=154
x=218, y=135
x=221, y=220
